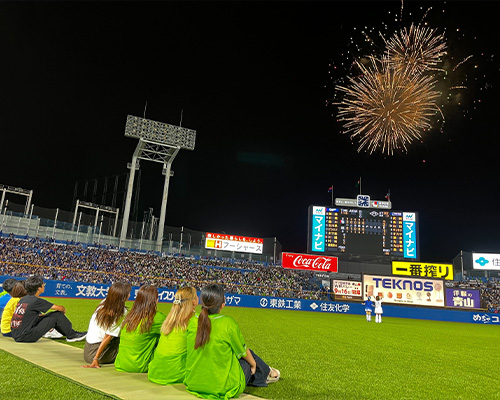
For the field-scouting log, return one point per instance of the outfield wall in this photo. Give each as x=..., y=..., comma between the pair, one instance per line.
x=81, y=290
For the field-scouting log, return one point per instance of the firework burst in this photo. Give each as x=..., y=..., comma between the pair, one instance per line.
x=387, y=108
x=419, y=49
x=393, y=99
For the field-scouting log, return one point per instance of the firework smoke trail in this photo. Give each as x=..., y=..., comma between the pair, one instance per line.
x=387, y=108
x=461, y=62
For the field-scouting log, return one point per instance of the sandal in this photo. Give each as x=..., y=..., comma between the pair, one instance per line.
x=271, y=379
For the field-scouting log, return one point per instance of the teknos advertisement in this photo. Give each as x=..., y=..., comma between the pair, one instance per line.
x=309, y=262
x=402, y=290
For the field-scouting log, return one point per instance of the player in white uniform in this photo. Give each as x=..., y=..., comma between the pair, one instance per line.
x=378, y=309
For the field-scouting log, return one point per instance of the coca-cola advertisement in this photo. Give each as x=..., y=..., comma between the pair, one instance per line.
x=309, y=262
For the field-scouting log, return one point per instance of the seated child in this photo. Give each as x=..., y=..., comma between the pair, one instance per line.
x=7, y=286
x=17, y=292
x=28, y=325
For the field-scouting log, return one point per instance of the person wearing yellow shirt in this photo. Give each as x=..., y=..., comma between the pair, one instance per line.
x=16, y=293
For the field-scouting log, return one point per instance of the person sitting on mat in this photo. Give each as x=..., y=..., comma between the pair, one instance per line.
x=7, y=287
x=103, y=335
x=169, y=362
x=16, y=293
x=28, y=324
x=219, y=364
x=140, y=332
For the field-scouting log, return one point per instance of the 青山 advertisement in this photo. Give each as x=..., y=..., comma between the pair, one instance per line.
x=463, y=298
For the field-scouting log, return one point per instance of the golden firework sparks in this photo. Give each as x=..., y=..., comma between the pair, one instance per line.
x=386, y=108
x=418, y=48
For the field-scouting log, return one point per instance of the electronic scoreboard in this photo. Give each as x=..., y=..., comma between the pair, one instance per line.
x=363, y=231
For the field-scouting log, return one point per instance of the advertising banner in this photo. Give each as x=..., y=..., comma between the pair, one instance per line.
x=488, y=261
x=410, y=235
x=343, y=290
x=423, y=270
x=99, y=291
x=411, y=291
x=463, y=298
x=241, y=244
x=318, y=228
x=309, y=262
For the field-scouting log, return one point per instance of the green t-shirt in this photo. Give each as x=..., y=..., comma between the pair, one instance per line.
x=213, y=371
x=169, y=363
x=136, y=350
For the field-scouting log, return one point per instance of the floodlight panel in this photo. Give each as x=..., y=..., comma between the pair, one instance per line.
x=159, y=132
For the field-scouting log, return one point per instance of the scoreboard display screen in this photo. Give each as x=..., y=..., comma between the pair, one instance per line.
x=363, y=231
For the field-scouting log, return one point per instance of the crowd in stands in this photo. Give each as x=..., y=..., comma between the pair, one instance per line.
x=489, y=289
x=99, y=264
x=107, y=264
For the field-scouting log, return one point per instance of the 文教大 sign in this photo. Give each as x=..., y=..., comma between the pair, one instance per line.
x=423, y=270
x=406, y=291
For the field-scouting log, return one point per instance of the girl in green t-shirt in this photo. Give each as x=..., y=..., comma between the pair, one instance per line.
x=140, y=332
x=169, y=363
x=219, y=365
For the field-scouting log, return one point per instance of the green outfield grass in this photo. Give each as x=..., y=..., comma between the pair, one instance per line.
x=332, y=356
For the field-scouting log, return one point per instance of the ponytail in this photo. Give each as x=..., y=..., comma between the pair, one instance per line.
x=212, y=298
x=204, y=329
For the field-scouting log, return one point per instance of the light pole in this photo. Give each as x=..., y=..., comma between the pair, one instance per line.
x=158, y=142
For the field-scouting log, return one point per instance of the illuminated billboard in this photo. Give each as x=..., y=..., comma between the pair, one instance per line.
x=344, y=290
x=488, y=261
x=241, y=244
x=309, y=262
x=405, y=291
x=333, y=231
x=463, y=298
x=423, y=270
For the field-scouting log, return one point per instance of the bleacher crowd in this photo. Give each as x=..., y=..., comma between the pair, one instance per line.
x=106, y=264
x=489, y=289
x=101, y=264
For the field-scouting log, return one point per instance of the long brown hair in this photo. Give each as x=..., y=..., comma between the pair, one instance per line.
x=181, y=312
x=113, y=306
x=212, y=298
x=143, y=311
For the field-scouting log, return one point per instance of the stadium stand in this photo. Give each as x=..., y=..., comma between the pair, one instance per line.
x=489, y=288
x=68, y=261
x=105, y=264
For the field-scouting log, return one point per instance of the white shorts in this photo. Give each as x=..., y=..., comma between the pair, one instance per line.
x=378, y=310
x=368, y=310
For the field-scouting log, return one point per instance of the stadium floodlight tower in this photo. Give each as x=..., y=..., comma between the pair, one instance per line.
x=158, y=142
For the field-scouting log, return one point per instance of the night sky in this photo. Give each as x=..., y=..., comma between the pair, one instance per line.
x=252, y=78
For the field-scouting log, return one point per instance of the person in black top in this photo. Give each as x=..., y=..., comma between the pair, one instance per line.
x=29, y=322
